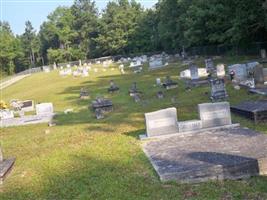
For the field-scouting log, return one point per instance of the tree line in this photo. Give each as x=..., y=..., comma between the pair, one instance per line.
x=125, y=27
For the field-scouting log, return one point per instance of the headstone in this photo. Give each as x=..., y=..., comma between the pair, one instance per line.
x=84, y=94
x=27, y=106
x=133, y=90
x=209, y=65
x=158, y=81
x=194, y=72
x=101, y=106
x=162, y=122
x=169, y=84
x=258, y=75
x=5, y=166
x=220, y=70
x=160, y=95
x=218, y=91
x=137, y=97
x=113, y=87
x=99, y=113
x=154, y=64
x=263, y=53
x=6, y=114
x=44, y=109
x=215, y=114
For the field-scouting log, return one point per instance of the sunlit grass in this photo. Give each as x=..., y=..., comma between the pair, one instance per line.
x=85, y=158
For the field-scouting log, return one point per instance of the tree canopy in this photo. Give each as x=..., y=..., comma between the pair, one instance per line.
x=125, y=27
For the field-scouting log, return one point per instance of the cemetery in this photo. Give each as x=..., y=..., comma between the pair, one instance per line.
x=186, y=132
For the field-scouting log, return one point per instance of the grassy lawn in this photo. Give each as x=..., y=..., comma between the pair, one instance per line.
x=85, y=158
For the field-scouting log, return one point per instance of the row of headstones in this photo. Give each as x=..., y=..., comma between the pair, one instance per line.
x=81, y=71
x=26, y=106
x=164, y=122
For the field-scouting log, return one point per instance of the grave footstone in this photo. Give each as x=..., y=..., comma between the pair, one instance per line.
x=215, y=114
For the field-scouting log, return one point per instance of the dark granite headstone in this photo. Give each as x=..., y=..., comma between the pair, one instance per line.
x=101, y=105
x=218, y=91
x=210, y=65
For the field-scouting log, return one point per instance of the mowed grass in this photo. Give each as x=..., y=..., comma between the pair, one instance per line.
x=85, y=158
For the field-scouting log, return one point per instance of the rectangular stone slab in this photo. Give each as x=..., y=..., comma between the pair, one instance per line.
x=162, y=122
x=233, y=153
x=215, y=114
x=5, y=168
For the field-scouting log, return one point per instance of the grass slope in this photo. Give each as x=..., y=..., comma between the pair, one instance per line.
x=85, y=158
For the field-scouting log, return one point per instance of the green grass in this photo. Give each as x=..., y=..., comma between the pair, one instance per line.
x=85, y=158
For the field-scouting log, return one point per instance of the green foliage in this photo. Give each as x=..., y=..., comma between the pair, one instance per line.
x=124, y=27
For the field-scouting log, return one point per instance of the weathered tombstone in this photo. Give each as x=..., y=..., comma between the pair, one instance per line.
x=27, y=105
x=137, y=97
x=5, y=166
x=209, y=65
x=215, y=114
x=44, y=109
x=162, y=122
x=263, y=53
x=113, y=87
x=218, y=91
x=101, y=106
x=169, y=84
x=84, y=94
x=193, y=72
x=220, y=70
x=258, y=75
x=160, y=95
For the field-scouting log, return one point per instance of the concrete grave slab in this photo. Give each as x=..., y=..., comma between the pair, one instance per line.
x=205, y=156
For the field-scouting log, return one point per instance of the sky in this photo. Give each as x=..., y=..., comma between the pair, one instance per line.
x=17, y=12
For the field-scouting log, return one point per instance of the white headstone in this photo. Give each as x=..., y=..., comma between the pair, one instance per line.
x=220, y=70
x=44, y=108
x=6, y=114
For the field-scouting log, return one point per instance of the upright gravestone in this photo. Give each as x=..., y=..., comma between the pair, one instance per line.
x=263, y=53
x=194, y=72
x=113, y=87
x=44, y=109
x=215, y=114
x=209, y=65
x=218, y=91
x=220, y=70
x=27, y=106
x=162, y=122
x=258, y=75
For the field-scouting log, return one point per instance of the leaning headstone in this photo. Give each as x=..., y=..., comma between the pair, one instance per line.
x=44, y=109
x=162, y=122
x=218, y=91
x=5, y=166
x=215, y=114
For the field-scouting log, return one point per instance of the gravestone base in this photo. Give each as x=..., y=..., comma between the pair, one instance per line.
x=5, y=168
x=205, y=156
